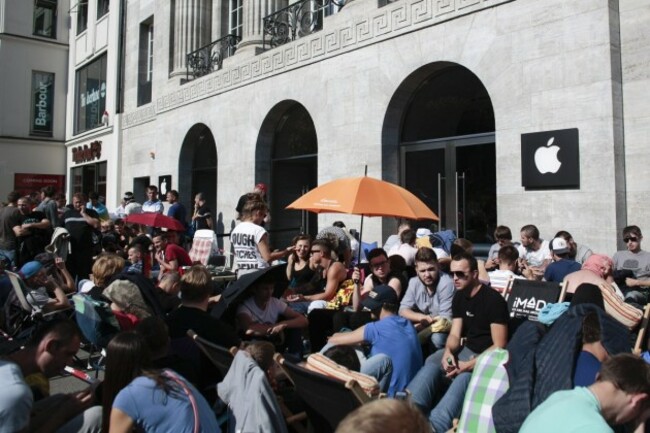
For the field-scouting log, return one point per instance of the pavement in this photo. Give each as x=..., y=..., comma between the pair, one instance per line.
x=66, y=383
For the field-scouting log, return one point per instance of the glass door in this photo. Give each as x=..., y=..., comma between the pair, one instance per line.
x=456, y=178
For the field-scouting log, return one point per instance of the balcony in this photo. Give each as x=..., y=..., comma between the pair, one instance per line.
x=209, y=58
x=297, y=20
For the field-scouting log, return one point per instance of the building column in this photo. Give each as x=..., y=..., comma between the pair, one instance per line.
x=192, y=30
x=254, y=13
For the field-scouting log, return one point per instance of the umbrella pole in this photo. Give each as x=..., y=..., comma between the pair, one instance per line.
x=360, y=243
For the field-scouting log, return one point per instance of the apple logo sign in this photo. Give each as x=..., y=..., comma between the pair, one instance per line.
x=546, y=158
x=550, y=159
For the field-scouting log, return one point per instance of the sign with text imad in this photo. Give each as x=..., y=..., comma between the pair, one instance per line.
x=527, y=298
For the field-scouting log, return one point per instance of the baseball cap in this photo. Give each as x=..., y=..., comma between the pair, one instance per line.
x=30, y=269
x=261, y=187
x=559, y=246
x=422, y=232
x=380, y=295
x=128, y=195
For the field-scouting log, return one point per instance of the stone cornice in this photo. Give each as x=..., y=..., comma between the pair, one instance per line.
x=381, y=24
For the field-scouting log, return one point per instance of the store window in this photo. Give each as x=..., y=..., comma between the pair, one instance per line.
x=236, y=18
x=89, y=178
x=145, y=62
x=42, y=103
x=90, y=95
x=82, y=15
x=45, y=18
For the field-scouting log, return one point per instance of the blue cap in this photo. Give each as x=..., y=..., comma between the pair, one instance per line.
x=30, y=269
x=379, y=296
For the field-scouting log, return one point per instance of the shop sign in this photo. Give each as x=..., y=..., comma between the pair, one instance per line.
x=87, y=152
x=27, y=183
x=550, y=160
x=42, y=103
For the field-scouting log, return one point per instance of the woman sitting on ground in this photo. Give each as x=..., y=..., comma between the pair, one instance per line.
x=149, y=400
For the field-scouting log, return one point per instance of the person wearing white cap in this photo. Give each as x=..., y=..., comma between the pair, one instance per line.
x=562, y=264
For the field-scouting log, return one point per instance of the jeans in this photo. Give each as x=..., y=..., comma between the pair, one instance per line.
x=428, y=390
x=379, y=366
x=438, y=340
x=305, y=307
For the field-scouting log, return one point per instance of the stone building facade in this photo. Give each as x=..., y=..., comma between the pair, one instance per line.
x=33, y=82
x=446, y=97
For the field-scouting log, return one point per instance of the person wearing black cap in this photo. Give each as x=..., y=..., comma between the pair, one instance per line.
x=392, y=336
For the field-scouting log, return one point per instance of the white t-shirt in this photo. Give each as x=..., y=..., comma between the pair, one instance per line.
x=499, y=279
x=405, y=250
x=535, y=258
x=269, y=316
x=245, y=238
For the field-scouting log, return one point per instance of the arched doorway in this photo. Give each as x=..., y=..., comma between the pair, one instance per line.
x=197, y=169
x=286, y=158
x=441, y=119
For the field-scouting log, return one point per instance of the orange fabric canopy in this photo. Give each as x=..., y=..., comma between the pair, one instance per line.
x=364, y=196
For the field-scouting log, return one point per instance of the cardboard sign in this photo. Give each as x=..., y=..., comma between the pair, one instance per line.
x=527, y=298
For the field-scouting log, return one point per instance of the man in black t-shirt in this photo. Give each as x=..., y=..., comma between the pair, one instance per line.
x=480, y=317
x=83, y=226
x=33, y=231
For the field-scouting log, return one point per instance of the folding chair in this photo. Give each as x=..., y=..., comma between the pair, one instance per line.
x=204, y=245
x=97, y=324
x=222, y=358
x=643, y=329
x=219, y=356
x=20, y=314
x=328, y=400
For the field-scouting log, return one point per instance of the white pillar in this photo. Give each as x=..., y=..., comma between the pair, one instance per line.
x=192, y=30
x=254, y=13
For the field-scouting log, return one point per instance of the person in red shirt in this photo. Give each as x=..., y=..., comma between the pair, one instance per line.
x=169, y=256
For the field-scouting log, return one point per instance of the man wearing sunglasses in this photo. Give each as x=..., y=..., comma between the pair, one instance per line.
x=479, y=323
x=633, y=259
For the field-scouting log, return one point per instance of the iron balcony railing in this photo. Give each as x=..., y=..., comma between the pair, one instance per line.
x=209, y=58
x=297, y=20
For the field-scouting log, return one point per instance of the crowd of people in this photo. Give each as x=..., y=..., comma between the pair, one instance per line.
x=423, y=316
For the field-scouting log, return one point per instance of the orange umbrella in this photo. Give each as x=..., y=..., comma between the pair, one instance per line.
x=364, y=196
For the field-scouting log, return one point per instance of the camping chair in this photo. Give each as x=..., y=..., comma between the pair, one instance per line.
x=204, y=246
x=328, y=400
x=97, y=324
x=19, y=314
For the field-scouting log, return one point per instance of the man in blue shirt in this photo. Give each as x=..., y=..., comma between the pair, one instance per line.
x=391, y=336
x=562, y=264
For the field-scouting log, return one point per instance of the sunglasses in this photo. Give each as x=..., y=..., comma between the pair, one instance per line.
x=378, y=264
x=459, y=274
x=315, y=251
x=630, y=239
